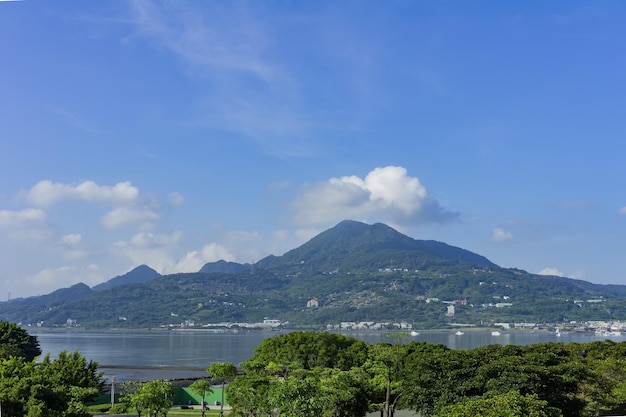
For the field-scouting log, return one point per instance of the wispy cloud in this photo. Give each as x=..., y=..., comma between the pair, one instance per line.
x=241, y=58
x=226, y=49
x=72, y=119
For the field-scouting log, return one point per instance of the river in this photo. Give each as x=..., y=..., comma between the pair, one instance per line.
x=145, y=355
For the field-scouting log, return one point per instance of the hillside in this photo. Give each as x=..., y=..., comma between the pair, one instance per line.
x=355, y=272
x=142, y=273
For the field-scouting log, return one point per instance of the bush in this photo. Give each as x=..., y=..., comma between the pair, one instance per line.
x=118, y=409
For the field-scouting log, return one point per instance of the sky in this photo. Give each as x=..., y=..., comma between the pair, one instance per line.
x=176, y=133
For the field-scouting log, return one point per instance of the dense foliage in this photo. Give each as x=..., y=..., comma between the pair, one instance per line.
x=51, y=388
x=15, y=341
x=293, y=374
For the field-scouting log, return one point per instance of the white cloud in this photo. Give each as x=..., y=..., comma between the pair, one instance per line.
x=622, y=210
x=71, y=239
x=70, y=246
x=21, y=219
x=124, y=216
x=386, y=194
x=498, y=234
x=26, y=225
x=153, y=249
x=212, y=252
x=46, y=193
x=551, y=271
x=146, y=240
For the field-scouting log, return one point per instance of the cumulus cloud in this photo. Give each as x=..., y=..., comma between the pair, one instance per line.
x=129, y=207
x=551, y=271
x=194, y=260
x=498, y=234
x=386, y=193
x=158, y=250
x=46, y=193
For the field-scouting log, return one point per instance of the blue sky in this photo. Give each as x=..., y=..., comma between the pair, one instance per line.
x=177, y=133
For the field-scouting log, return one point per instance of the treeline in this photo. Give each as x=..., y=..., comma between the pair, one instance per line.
x=57, y=387
x=326, y=374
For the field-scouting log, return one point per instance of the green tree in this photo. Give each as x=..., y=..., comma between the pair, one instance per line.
x=160, y=395
x=222, y=371
x=297, y=397
x=344, y=393
x=201, y=387
x=248, y=395
x=15, y=341
x=15, y=384
x=55, y=388
x=132, y=397
x=384, y=364
x=307, y=350
x=511, y=404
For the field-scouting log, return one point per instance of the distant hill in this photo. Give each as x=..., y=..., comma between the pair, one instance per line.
x=142, y=273
x=75, y=292
x=353, y=271
x=224, y=267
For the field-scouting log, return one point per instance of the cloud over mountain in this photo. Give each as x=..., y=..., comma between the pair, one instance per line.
x=385, y=194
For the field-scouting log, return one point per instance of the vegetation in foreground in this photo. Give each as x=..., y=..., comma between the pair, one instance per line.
x=324, y=374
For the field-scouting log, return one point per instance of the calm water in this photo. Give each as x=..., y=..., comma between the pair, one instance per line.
x=195, y=351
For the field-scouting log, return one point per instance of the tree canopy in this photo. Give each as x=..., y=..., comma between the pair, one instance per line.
x=15, y=341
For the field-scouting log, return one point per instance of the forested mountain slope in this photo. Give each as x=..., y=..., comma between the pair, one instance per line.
x=351, y=272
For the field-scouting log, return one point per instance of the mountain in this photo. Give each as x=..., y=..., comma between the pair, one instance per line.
x=142, y=273
x=349, y=273
x=224, y=267
x=75, y=292
x=355, y=246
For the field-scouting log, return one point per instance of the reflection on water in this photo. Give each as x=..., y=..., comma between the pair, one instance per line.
x=164, y=351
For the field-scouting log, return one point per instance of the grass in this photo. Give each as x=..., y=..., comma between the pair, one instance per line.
x=174, y=412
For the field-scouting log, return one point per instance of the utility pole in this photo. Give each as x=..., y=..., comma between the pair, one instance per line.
x=112, y=392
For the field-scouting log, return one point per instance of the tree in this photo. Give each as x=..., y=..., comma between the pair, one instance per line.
x=132, y=397
x=307, y=350
x=248, y=395
x=222, y=371
x=385, y=366
x=56, y=387
x=15, y=341
x=154, y=396
x=297, y=397
x=512, y=404
x=201, y=387
x=344, y=393
x=15, y=384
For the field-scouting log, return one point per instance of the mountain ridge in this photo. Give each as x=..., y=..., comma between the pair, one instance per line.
x=354, y=272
